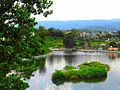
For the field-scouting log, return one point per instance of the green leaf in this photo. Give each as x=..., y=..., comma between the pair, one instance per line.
x=9, y=49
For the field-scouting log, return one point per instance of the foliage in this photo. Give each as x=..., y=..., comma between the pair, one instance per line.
x=94, y=64
x=74, y=39
x=92, y=70
x=52, y=37
x=54, y=42
x=113, y=44
x=69, y=42
x=42, y=32
x=12, y=82
x=55, y=32
x=117, y=34
x=19, y=40
x=68, y=67
x=58, y=77
x=108, y=35
x=34, y=6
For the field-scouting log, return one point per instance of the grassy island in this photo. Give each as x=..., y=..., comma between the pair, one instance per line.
x=92, y=70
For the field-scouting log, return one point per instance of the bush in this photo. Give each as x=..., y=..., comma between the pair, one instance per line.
x=94, y=64
x=68, y=67
x=92, y=70
x=58, y=77
x=70, y=73
x=13, y=82
x=74, y=78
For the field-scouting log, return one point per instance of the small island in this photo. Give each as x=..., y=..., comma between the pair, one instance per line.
x=85, y=71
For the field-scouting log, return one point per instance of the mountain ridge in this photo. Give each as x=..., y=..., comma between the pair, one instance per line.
x=109, y=25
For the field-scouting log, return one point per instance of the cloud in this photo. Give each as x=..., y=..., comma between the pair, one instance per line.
x=83, y=9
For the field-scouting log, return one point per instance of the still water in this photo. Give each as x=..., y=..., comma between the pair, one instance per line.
x=59, y=59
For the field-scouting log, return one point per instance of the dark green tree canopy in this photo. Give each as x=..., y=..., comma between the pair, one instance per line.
x=8, y=8
x=19, y=39
x=34, y=6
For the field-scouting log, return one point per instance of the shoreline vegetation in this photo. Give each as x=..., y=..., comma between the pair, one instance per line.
x=87, y=72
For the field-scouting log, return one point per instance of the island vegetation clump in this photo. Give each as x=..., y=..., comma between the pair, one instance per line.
x=85, y=71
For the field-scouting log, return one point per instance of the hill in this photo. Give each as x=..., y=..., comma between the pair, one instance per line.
x=107, y=25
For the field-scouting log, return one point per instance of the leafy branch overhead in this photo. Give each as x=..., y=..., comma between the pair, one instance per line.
x=18, y=38
x=34, y=6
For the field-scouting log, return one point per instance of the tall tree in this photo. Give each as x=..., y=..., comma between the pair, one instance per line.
x=71, y=38
x=18, y=38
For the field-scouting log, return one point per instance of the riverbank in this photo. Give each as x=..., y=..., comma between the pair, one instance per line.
x=73, y=49
x=106, y=51
x=83, y=50
x=42, y=56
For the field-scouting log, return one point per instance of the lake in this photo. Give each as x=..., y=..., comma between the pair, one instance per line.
x=59, y=59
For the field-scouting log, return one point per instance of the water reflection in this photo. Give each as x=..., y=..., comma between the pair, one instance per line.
x=59, y=82
x=113, y=55
x=97, y=80
x=41, y=65
x=69, y=59
x=59, y=59
x=50, y=61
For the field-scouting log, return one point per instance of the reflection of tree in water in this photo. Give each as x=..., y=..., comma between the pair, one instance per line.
x=95, y=80
x=55, y=59
x=113, y=55
x=70, y=59
x=41, y=65
x=50, y=60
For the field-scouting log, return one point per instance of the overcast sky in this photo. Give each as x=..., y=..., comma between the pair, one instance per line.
x=83, y=10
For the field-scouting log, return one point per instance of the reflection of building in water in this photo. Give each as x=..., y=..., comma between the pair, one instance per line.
x=114, y=55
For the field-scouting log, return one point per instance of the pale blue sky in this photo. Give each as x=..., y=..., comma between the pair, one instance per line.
x=83, y=10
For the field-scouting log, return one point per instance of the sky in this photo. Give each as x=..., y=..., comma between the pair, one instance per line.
x=83, y=10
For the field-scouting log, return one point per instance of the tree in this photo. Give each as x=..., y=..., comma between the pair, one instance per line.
x=71, y=38
x=55, y=32
x=87, y=43
x=99, y=35
x=42, y=32
x=75, y=33
x=117, y=34
x=34, y=6
x=113, y=44
x=108, y=35
x=69, y=41
x=18, y=38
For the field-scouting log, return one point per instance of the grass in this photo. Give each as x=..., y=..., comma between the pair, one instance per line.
x=54, y=41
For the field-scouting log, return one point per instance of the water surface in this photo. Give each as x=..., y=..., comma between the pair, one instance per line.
x=59, y=59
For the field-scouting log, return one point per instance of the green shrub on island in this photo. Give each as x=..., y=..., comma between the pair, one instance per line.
x=68, y=67
x=94, y=64
x=92, y=70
